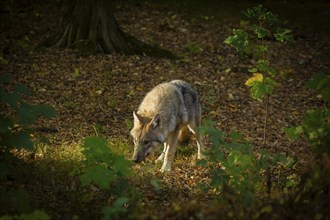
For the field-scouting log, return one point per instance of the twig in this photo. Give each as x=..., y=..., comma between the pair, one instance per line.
x=96, y=133
x=265, y=121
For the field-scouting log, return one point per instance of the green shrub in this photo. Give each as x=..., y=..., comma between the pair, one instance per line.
x=235, y=168
x=16, y=130
x=104, y=168
x=316, y=124
x=18, y=116
x=250, y=40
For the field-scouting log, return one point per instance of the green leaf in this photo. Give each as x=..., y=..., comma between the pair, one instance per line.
x=216, y=155
x=261, y=88
x=253, y=70
x=235, y=136
x=5, y=78
x=321, y=83
x=262, y=14
x=194, y=48
x=45, y=110
x=264, y=66
x=99, y=175
x=260, y=31
x=5, y=124
x=241, y=147
x=315, y=80
x=202, y=163
x=9, y=97
x=116, y=209
x=248, y=197
x=20, y=88
x=245, y=160
x=96, y=149
x=293, y=133
x=270, y=85
x=239, y=40
x=120, y=202
x=258, y=90
x=280, y=158
x=22, y=140
x=122, y=166
x=325, y=92
x=260, y=48
x=26, y=114
x=283, y=35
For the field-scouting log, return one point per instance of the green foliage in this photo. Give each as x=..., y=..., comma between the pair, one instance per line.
x=235, y=167
x=116, y=210
x=316, y=124
x=321, y=83
x=15, y=201
x=239, y=40
x=250, y=39
x=36, y=215
x=262, y=15
x=103, y=167
x=16, y=121
x=283, y=35
x=194, y=48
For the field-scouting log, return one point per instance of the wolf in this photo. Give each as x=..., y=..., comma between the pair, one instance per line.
x=169, y=112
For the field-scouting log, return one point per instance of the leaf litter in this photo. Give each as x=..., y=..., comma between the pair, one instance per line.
x=102, y=91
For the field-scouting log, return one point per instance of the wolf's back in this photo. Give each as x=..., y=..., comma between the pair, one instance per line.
x=165, y=100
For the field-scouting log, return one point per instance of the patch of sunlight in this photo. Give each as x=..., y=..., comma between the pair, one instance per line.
x=59, y=159
x=121, y=146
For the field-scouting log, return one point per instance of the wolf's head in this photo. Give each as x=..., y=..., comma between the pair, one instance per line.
x=147, y=134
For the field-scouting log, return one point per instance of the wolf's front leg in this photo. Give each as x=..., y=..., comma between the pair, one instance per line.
x=170, y=151
x=161, y=157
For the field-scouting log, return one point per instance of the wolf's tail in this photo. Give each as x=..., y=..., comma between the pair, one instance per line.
x=184, y=136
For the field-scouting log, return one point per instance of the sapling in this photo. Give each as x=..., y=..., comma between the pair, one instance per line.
x=250, y=39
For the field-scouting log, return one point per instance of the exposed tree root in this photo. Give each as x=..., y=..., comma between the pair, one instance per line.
x=91, y=27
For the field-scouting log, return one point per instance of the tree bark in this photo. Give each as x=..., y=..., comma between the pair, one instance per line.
x=91, y=27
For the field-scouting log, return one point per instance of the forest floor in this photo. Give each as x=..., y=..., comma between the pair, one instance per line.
x=98, y=93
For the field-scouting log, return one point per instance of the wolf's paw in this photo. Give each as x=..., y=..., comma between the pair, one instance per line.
x=201, y=157
x=166, y=168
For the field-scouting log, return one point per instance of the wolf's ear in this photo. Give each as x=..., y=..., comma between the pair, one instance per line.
x=137, y=118
x=156, y=121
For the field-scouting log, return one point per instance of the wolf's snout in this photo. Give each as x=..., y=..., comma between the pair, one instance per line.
x=137, y=159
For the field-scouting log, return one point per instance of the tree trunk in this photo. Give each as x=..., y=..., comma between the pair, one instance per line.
x=90, y=26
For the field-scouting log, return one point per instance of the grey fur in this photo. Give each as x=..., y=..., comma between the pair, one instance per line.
x=166, y=110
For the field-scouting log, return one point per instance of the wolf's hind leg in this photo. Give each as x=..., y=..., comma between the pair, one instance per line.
x=199, y=141
x=200, y=147
x=161, y=157
x=170, y=151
